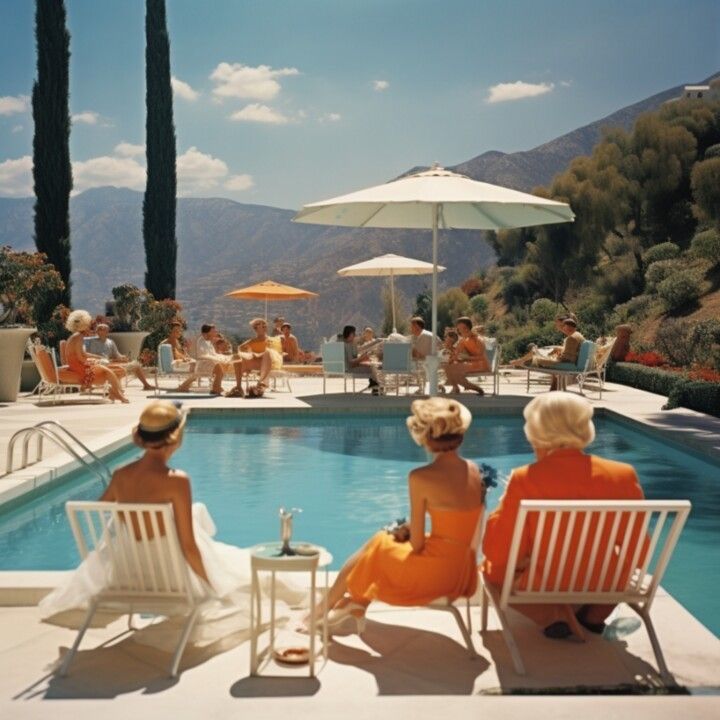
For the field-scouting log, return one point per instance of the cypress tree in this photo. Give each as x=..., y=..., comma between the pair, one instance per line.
x=160, y=191
x=52, y=173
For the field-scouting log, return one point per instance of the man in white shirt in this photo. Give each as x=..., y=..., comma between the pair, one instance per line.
x=103, y=347
x=422, y=339
x=211, y=361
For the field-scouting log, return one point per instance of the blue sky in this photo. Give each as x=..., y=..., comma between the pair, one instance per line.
x=282, y=102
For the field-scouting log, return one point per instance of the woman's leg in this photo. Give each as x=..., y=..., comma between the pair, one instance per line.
x=265, y=367
x=218, y=373
x=107, y=375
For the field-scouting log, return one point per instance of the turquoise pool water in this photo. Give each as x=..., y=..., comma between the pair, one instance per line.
x=348, y=474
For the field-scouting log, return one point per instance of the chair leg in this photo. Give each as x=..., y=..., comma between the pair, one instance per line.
x=483, y=609
x=659, y=657
x=71, y=653
x=463, y=629
x=507, y=634
x=185, y=635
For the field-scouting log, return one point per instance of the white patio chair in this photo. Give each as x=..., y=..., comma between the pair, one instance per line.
x=145, y=575
x=165, y=367
x=56, y=381
x=333, y=363
x=625, y=573
x=397, y=362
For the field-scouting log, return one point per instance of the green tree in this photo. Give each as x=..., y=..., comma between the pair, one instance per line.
x=452, y=304
x=706, y=188
x=159, y=204
x=52, y=173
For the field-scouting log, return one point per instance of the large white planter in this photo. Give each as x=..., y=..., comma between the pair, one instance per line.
x=129, y=343
x=12, y=351
x=30, y=376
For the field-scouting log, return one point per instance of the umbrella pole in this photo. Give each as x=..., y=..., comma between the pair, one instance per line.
x=266, y=299
x=392, y=298
x=432, y=359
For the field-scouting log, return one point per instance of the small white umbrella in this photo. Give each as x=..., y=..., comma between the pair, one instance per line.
x=436, y=198
x=389, y=265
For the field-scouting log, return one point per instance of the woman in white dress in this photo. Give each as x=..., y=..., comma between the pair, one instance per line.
x=217, y=570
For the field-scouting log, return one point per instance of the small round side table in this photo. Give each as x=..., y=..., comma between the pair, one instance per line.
x=266, y=558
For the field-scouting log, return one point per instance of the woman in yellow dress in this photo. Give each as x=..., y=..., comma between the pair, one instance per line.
x=406, y=566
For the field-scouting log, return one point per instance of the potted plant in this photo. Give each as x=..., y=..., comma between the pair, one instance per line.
x=129, y=306
x=28, y=286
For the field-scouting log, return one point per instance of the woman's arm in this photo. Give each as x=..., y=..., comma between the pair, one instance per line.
x=182, y=509
x=418, y=507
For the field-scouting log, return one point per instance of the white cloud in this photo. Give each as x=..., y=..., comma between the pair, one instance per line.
x=239, y=182
x=255, y=112
x=566, y=83
x=198, y=173
x=108, y=170
x=127, y=149
x=504, y=92
x=250, y=83
x=330, y=117
x=16, y=177
x=183, y=90
x=10, y=105
x=380, y=85
x=17, y=129
x=87, y=117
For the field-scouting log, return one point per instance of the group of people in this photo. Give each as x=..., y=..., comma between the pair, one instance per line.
x=403, y=565
x=463, y=352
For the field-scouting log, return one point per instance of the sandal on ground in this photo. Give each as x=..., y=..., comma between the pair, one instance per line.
x=236, y=392
x=559, y=630
x=597, y=628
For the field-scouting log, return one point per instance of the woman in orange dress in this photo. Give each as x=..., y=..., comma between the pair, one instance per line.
x=86, y=366
x=405, y=566
x=559, y=426
x=469, y=356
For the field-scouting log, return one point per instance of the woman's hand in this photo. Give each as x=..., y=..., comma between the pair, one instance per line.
x=401, y=533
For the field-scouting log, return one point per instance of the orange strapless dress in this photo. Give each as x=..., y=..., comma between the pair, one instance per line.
x=391, y=572
x=84, y=370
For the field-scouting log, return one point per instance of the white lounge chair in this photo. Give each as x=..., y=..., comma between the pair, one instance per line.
x=493, y=353
x=559, y=522
x=147, y=575
x=165, y=367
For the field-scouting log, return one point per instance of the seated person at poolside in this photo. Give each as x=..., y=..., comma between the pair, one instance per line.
x=222, y=345
x=219, y=572
x=358, y=363
x=550, y=352
x=259, y=354
x=422, y=339
x=408, y=566
x=277, y=326
x=181, y=360
x=211, y=361
x=568, y=352
x=104, y=347
x=291, y=351
x=89, y=367
x=558, y=426
x=469, y=357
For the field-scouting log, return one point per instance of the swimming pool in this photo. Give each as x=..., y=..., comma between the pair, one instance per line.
x=348, y=474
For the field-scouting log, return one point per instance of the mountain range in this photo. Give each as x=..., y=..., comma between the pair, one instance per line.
x=223, y=244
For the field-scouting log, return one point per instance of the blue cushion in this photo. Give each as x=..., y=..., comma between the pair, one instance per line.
x=165, y=358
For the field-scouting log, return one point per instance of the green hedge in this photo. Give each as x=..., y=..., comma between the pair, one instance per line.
x=681, y=392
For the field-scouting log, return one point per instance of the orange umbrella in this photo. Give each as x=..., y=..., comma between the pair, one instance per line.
x=270, y=291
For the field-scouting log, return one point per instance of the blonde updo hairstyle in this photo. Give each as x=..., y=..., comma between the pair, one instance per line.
x=559, y=420
x=438, y=424
x=78, y=320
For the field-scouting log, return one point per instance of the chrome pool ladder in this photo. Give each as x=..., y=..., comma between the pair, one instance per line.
x=63, y=438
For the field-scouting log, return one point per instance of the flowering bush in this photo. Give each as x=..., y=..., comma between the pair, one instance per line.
x=29, y=286
x=648, y=359
x=148, y=357
x=156, y=319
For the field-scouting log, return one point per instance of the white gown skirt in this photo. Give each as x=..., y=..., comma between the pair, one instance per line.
x=228, y=571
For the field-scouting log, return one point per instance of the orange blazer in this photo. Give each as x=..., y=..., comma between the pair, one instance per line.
x=565, y=474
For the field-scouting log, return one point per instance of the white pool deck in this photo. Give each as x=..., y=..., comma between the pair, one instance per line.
x=409, y=661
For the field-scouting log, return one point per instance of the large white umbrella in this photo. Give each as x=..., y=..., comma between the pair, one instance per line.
x=389, y=266
x=436, y=198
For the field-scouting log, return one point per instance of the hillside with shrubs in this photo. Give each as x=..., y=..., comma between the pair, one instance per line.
x=644, y=249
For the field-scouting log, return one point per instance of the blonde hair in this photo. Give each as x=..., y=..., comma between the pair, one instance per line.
x=438, y=423
x=559, y=420
x=78, y=320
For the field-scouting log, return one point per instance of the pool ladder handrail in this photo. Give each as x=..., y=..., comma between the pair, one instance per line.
x=63, y=440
